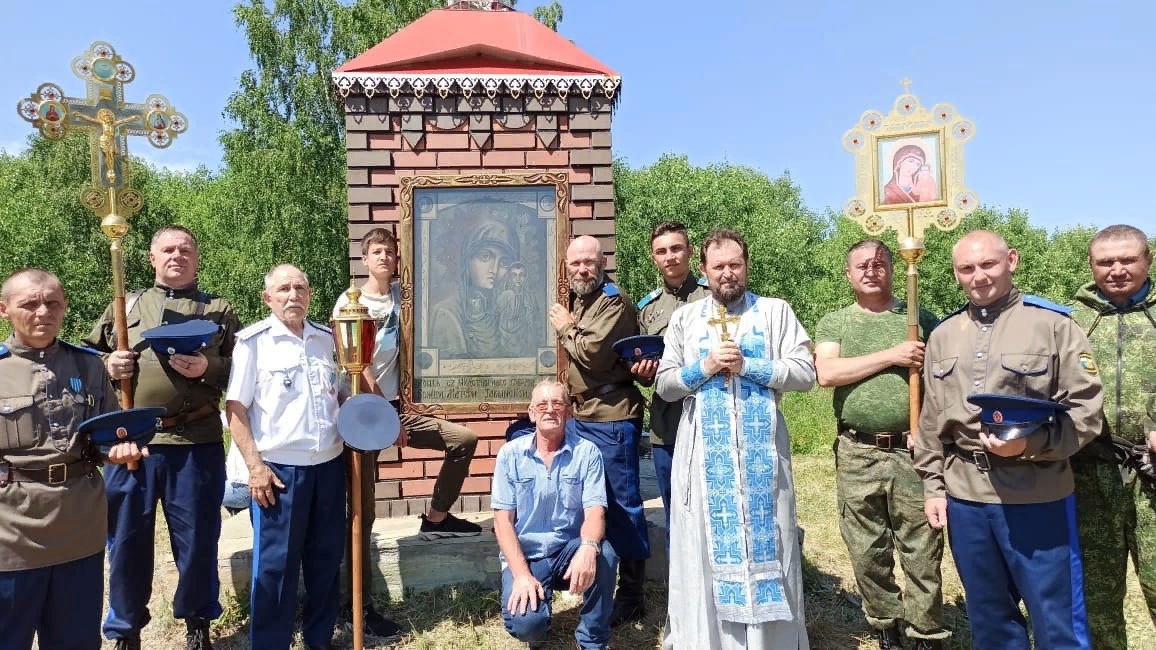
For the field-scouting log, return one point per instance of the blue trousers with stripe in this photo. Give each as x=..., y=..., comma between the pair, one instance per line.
x=60, y=604
x=1028, y=552
x=186, y=480
x=625, y=519
x=302, y=535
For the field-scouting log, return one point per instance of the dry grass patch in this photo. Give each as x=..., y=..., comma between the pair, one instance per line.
x=468, y=616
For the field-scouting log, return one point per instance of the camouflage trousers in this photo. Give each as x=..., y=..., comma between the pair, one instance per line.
x=1114, y=520
x=880, y=501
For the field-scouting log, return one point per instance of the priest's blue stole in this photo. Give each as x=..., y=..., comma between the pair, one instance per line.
x=736, y=419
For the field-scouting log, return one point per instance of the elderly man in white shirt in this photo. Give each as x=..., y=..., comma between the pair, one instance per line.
x=282, y=406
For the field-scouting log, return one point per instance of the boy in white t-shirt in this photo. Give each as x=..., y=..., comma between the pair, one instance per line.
x=381, y=295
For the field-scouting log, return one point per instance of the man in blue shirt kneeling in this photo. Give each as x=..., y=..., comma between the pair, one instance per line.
x=549, y=504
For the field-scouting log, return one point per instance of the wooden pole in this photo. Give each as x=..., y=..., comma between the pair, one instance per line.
x=911, y=250
x=356, y=587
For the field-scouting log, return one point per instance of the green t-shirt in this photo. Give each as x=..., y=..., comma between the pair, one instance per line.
x=879, y=403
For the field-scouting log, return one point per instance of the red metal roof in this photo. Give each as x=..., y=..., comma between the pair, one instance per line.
x=463, y=41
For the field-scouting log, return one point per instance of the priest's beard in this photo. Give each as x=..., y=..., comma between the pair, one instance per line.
x=585, y=287
x=728, y=292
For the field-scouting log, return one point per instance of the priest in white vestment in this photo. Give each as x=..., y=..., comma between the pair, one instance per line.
x=736, y=577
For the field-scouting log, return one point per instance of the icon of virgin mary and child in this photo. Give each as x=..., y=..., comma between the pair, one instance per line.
x=493, y=312
x=912, y=180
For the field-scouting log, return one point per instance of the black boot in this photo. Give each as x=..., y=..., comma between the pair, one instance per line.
x=197, y=634
x=928, y=644
x=888, y=638
x=629, y=602
x=128, y=643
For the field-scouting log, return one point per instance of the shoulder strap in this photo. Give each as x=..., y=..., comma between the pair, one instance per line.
x=648, y=298
x=1044, y=303
x=133, y=297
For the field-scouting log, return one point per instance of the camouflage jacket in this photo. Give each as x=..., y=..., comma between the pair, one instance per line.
x=1124, y=346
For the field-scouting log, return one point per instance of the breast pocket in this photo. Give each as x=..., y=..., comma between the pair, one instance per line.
x=18, y=422
x=943, y=376
x=278, y=387
x=571, y=497
x=523, y=497
x=1026, y=374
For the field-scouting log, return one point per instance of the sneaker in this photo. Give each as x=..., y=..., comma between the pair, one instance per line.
x=197, y=635
x=451, y=526
x=129, y=643
x=380, y=626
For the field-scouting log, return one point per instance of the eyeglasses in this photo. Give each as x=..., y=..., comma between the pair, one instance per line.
x=552, y=405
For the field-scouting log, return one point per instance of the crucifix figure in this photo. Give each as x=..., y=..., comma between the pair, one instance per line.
x=722, y=320
x=107, y=139
x=110, y=196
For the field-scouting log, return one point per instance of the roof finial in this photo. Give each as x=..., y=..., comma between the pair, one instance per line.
x=906, y=86
x=480, y=5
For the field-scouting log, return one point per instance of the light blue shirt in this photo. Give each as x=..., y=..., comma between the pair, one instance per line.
x=548, y=504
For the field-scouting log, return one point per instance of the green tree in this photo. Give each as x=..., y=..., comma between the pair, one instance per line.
x=45, y=226
x=781, y=233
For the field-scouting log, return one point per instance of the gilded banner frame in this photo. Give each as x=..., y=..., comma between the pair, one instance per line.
x=410, y=267
x=879, y=142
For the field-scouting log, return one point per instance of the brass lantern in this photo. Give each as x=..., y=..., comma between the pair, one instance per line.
x=354, y=333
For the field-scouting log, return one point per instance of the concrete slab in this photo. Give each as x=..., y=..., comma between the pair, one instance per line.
x=406, y=564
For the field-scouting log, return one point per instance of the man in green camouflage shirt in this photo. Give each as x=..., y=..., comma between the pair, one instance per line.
x=1115, y=512
x=863, y=351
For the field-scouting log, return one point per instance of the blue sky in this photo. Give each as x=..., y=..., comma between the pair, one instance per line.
x=1063, y=95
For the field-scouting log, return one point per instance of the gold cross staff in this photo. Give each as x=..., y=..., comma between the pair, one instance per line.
x=109, y=124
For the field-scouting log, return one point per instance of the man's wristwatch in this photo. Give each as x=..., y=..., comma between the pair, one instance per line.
x=594, y=545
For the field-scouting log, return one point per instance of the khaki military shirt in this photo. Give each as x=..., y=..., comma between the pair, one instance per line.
x=653, y=316
x=600, y=319
x=1011, y=347
x=155, y=383
x=44, y=396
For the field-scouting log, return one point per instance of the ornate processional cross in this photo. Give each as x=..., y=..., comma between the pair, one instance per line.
x=108, y=120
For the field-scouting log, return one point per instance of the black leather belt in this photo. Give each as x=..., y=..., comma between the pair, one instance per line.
x=888, y=440
x=179, y=420
x=55, y=474
x=983, y=460
x=604, y=389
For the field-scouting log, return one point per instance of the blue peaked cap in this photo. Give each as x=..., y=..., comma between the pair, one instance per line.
x=181, y=338
x=637, y=348
x=1009, y=417
x=140, y=425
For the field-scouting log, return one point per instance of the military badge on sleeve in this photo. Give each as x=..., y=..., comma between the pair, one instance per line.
x=1088, y=364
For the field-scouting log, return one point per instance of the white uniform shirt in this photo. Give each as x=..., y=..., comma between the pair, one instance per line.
x=288, y=385
x=386, y=311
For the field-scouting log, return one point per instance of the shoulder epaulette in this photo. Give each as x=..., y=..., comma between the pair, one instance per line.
x=702, y=282
x=1044, y=303
x=78, y=348
x=254, y=329
x=323, y=328
x=4, y=351
x=648, y=298
x=611, y=290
